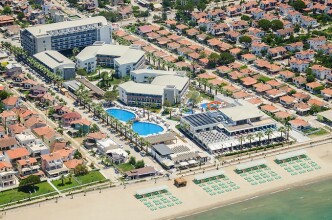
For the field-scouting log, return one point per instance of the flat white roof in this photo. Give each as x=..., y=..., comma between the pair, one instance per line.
x=170, y=80
x=152, y=71
x=250, y=164
x=242, y=112
x=151, y=190
x=209, y=174
x=43, y=29
x=291, y=154
x=53, y=59
x=142, y=88
x=123, y=54
x=106, y=142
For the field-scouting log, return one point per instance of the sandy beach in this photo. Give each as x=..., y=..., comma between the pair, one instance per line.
x=120, y=203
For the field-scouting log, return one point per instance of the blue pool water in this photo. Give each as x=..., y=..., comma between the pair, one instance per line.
x=120, y=114
x=146, y=128
x=204, y=105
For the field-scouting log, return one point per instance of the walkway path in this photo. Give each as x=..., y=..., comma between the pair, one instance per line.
x=56, y=189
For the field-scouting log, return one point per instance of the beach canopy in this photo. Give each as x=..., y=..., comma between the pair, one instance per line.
x=291, y=154
x=209, y=174
x=151, y=190
x=250, y=164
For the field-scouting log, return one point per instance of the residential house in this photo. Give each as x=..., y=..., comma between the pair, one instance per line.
x=81, y=125
x=257, y=13
x=313, y=87
x=284, y=9
x=276, y=52
x=297, y=46
x=285, y=32
x=37, y=91
x=299, y=81
x=302, y=108
x=233, y=11
x=28, y=167
x=259, y=48
x=92, y=138
x=47, y=134
x=52, y=165
x=13, y=69
x=10, y=102
x=287, y=101
x=294, y=16
x=216, y=14
x=321, y=72
x=72, y=164
x=117, y=155
x=316, y=42
x=8, y=118
x=301, y=96
x=8, y=143
x=67, y=118
x=219, y=29
x=232, y=36
x=248, y=58
x=16, y=154
x=308, y=22
x=320, y=8
x=248, y=6
x=267, y=5
x=16, y=129
x=6, y=20
x=286, y=75
x=34, y=122
x=256, y=32
x=299, y=65
x=7, y=175
x=195, y=16
x=299, y=124
x=326, y=93
x=305, y=55
x=238, y=25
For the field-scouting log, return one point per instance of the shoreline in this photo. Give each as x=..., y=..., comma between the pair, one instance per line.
x=249, y=197
x=117, y=202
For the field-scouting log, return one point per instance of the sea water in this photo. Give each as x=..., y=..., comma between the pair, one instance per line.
x=308, y=202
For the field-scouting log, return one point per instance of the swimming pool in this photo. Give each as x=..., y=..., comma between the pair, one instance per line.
x=120, y=114
x=204, y=105
x=146, y=128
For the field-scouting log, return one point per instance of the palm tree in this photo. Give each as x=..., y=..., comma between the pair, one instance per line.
x=136, y=137
x=241, y=139
x=268, y=133
x=250, y=137
x=69, y=177
x=205, y=82
x=288, y=128
x=62, y=178
x=281, y=130
x=259, y=135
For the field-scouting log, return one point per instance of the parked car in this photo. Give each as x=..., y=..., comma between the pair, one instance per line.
x=142, y=153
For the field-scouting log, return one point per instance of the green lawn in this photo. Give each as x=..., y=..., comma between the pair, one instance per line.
x=19, y=194
x=124, y=167
x=320, y=132
x=92, y=176
x=264, y=79
x=67, y=184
